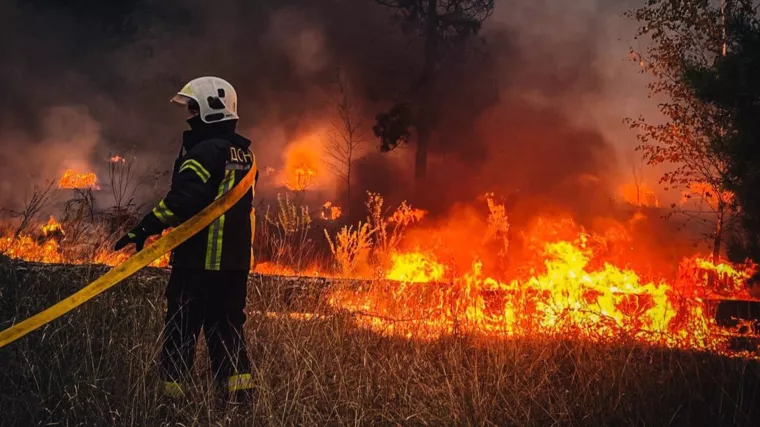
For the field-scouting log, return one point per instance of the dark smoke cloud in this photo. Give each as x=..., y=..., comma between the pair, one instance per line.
x=519, y=112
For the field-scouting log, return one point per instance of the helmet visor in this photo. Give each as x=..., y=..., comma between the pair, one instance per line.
x=180, y=99
x=193, y=109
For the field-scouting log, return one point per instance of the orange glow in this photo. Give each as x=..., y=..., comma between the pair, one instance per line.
x=117, y=159
x=303, y=167
x=704, y=192
x=640, y=195
x=72, y=179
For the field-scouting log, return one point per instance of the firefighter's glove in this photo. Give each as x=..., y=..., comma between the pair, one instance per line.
x=136, y=236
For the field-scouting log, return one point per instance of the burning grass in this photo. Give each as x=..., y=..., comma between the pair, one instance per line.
x=427, y=281
x=90, y=244
x=96, y=366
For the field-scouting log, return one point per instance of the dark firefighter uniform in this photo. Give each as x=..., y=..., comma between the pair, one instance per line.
x=207, y=286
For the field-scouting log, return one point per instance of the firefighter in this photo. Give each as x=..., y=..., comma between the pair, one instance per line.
x=207, y=287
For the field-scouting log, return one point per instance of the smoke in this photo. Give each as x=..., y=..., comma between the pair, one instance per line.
x=67, y=138
x=536, y=109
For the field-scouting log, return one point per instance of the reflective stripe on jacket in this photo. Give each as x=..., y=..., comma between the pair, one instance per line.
x=206, y=170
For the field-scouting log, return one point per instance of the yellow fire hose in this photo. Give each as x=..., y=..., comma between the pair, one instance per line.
x=132, y=265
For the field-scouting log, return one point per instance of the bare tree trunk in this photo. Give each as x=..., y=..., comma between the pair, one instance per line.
x=348, y=187
x=424, y=127
x=718, y=234
x=420, y=157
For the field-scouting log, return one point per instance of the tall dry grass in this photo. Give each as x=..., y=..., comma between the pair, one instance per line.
x=96, y=366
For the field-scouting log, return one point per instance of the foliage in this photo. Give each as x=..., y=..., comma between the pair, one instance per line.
x=455, y=20
x=394, y=127
x=730, y=85
x=683, y=32
x=443, y=25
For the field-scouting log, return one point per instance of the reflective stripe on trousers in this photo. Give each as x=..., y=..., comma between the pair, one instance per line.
x=172, y=389
x=240, y=382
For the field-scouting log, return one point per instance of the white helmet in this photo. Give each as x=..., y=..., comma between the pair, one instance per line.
x=216, y=98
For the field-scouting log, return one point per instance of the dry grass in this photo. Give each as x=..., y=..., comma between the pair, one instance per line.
x=351, y=248
x=284, y=234
x=96, y=366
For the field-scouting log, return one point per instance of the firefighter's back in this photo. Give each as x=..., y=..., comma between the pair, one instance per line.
x=221, y=161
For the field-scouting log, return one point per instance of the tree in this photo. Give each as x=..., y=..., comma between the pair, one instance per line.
x=442, y=24
x=683, y=34
x=730, y=85
x=345, y=138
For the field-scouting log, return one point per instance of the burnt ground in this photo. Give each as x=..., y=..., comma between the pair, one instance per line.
x=96, y=366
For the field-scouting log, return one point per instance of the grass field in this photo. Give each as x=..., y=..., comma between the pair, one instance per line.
x=96, y=366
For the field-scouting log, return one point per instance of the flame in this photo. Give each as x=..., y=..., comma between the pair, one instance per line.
x=455, y=276
x=640, y=195
x=117, y=159
x=53, y=248
x=52, y=227
x=568, y=283
x=72, y=179
x=330, y=212
x=29, y=249
x=415, y=267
